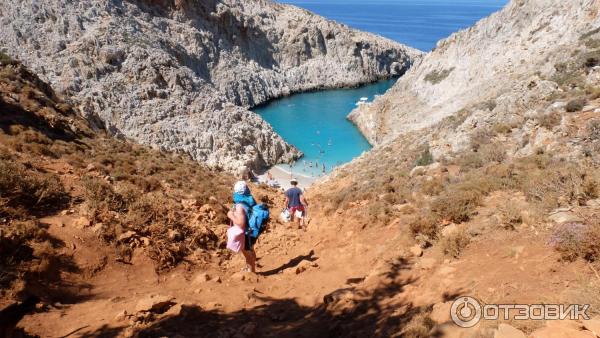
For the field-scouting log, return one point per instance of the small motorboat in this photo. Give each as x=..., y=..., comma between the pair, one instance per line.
x=362, y=101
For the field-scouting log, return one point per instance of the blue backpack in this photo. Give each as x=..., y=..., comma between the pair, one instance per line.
x=256, y=218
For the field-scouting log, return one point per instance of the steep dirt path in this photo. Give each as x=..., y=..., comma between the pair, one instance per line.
x=331, y=279
x=297, y=268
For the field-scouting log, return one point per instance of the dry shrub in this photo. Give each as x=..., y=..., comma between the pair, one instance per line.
x=425, y=224
x=433, y=186
x=480, y=137
x=16, y=251
x=573, y=240
x=593, y=129
x=549, y=121
x=25, y=189
x=510, y=215
x=562, y=183
x=101, y=195
x=453, y=244
x=575, y=105
x=484, y=154
x=502, y=128
x=457, y=204
x=420, y=326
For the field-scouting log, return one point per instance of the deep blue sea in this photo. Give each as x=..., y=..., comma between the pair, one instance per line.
x=316, y=122
x=417, y=23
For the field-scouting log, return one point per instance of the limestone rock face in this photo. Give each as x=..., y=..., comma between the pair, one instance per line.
x=181, y=74
x=498, y=63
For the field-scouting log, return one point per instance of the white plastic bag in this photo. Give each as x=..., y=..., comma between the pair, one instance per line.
x=285, y=215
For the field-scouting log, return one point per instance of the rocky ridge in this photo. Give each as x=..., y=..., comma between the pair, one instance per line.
x=506, y=62
x=180, y=75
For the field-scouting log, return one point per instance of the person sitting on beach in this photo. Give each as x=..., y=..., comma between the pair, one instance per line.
x=296, y=202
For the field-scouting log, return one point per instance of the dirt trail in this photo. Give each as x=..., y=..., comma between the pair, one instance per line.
x=319, y=282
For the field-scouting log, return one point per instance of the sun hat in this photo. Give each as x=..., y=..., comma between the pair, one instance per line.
x=294, y=180
x=240, y=187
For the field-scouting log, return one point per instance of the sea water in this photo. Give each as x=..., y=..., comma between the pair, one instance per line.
x=416, y=23
x=316, y=122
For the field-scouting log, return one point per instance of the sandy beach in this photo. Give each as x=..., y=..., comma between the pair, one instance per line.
x=284, y=176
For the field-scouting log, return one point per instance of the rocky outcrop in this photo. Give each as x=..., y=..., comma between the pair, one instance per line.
x=181, y=74
x=507, y=61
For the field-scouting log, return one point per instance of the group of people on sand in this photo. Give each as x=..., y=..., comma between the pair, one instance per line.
x=242, y=233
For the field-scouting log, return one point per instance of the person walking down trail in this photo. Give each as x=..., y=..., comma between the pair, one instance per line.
x=247, y=222
x=296, y=203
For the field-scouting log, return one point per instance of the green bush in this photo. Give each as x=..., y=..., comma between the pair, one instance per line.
x=437, y=76
x=425, y=158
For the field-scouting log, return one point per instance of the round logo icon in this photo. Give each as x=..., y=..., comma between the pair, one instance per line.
x=465, y=311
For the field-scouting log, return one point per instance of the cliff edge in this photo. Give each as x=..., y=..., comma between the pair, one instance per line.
x=496, y=58
x=180, y=75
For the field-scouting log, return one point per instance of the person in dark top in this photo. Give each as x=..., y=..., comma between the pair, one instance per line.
x=295, y=202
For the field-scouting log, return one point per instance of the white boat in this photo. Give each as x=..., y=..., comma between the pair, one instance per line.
x=362, y=100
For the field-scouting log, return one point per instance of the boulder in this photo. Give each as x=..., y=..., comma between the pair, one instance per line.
x=564, y=217
x=507, y=331
x=202, y=278
x=126, y=236
x=449, y=230
x=82, y=222
x=417, y=171
x=416, y=250
x=121, y=316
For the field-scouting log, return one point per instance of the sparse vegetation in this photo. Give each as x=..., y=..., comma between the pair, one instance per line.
x=575, y=105
x=510, y=215
x=24, y=191
x=6, y=59
x=502, y=128
x=425, y=158
x=577, y=240
x=550, y=120
x=453, y=244
x=437, y=76
x=593, y=129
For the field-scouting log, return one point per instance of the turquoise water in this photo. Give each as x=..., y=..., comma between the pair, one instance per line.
x=316, y=124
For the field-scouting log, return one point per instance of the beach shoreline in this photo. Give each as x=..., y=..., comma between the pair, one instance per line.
x=284, y=177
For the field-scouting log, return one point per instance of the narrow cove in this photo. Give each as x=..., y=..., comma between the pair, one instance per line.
x=315, y=122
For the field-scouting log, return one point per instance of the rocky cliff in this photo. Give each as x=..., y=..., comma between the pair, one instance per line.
x=506, y=62
x=180, y=75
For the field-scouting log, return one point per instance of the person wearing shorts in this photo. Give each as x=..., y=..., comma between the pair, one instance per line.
x=295, y=201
